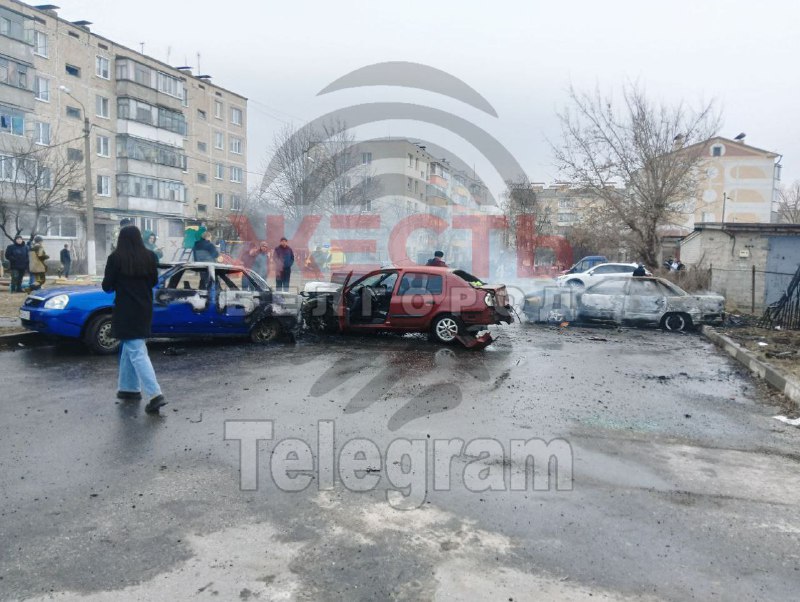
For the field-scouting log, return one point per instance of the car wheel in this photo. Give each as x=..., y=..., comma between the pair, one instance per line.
x=445, y=329
x=98, y=335
x=266, y=331
x=576, y=284
x=676, y=322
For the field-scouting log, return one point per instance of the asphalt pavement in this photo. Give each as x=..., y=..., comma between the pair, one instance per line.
x=669, y=479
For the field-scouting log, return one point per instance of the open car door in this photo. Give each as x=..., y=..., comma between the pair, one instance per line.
x=341, y=305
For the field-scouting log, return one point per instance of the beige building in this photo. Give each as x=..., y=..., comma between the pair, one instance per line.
x=167, y=146
x=738, y=184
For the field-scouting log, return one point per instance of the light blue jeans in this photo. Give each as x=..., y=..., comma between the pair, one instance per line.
x=135, y=370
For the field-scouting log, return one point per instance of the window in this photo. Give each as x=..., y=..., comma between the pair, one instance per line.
x=202, y=178
x=152, y=152
x=41, y=88
x=104, y=185
x=13, y=73
x=202, y=146
x=410, y=160
x=219, y=200
x=74, y=154
x=42, y=133
x=12, y=122
x=609, y=287
x=408, y=184
x=366, y=158
x=236, y=145
x=218, y=109
x=101, y=106
x=645, y=288
x=420, y=284
x=201, y=208
x=74, y=112
x=103, y=146
x=175, y=228
x=13, y=25
x=219, y=140
x=40, y=43
x=416, y=163
x=73, y=34
x=236, y=202
x=236, y=116
x=219, y=171
x=58, y=226
x=72, y=70
x=136, y=110
x=74, y=196
x=236, y=174
x=201, y=114
x=45, y=178
x=102, y=67
x=151, y=188
x=148, y=223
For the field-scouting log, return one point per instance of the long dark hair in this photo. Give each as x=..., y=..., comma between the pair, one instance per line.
x=133, y=257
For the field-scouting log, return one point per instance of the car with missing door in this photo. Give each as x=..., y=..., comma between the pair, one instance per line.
x=195, y=299
x=447, y=304
x=648, y=300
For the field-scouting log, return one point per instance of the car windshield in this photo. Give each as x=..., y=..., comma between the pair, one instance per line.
x=474, y=281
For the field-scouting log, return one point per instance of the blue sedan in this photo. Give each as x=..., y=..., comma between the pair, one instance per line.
x=190, y=299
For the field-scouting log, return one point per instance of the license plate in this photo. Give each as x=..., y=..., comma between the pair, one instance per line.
x=24, y=315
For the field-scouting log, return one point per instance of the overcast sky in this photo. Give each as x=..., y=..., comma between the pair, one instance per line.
x=520, y=56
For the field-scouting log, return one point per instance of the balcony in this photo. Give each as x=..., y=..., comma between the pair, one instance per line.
x=133, y=203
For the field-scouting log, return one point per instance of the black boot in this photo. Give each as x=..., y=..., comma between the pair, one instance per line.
x=155, y=403
x=129, y=395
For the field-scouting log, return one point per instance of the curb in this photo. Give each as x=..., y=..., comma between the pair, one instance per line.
x=17, y=337
x=775, y=378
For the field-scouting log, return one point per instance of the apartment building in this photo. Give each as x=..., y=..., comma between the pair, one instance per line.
x=167, y=146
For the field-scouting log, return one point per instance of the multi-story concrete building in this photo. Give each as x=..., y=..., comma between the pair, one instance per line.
x=167, y=146
x=739, y=183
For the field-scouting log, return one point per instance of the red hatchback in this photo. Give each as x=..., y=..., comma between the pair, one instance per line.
x=448, y=304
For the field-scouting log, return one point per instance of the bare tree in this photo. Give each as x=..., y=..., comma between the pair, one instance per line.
x=521, y=198
x=312, y=171
x=638, y=160
x=789, y=203
x=36, y=180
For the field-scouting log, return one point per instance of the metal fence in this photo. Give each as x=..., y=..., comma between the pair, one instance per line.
x=785, y=312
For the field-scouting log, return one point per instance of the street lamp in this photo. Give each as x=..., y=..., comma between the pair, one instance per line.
x=91, y=258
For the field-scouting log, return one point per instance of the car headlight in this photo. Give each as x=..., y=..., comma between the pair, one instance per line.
x=489, y=299
x=57, y=302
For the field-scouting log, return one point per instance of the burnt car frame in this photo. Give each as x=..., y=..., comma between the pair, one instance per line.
x=196, y=299
x=643, y=300
x=450, y=305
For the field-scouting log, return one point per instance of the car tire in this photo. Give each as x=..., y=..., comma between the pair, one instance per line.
x=446, y=328
x=576, y=285
x=676, y=322
x=266, y=331
x=98, y=336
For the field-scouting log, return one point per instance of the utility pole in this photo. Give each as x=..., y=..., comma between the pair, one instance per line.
x=91, y=256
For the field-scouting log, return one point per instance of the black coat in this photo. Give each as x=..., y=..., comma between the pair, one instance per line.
x=133, y=305
x=205, y=250
x=65, y=256
x=17, y=256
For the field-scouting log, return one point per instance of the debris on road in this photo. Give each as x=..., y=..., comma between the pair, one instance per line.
x=789, y=421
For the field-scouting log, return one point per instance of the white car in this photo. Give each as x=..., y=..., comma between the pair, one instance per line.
x=594, y=275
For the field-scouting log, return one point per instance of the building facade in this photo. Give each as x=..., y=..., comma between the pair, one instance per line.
x=166, y=147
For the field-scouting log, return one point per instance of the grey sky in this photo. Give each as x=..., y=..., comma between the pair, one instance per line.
x=520, y=56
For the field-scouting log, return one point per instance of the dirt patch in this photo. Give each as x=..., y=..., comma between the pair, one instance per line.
x=779, y=348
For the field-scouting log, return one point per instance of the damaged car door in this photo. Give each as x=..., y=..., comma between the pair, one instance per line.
x=603, y=301
x=645, y=302
x=239, y=299
x=416, y=301
x=181, y=301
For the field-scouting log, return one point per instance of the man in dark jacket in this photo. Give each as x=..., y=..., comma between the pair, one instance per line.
x=66, y=260
x=18, y=261
x=204, y=249
x=437, y=260
x=283, y=256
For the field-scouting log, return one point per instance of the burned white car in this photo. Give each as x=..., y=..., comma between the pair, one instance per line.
x=646, y=300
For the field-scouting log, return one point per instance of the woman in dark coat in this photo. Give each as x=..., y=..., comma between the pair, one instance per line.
x=131, y=273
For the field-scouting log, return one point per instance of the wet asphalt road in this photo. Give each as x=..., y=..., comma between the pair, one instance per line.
x=683, y=485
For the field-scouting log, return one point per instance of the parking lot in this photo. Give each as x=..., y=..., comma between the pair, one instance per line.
x=677, y=473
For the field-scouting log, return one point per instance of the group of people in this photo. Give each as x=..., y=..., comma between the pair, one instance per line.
x=31, y=257
x=281, y=258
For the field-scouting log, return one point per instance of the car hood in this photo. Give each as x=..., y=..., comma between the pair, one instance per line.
x=72, y=291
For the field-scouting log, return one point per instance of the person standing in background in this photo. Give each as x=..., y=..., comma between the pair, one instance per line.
x=66, y=260
x=37, y=266
x=131, y=273
x=18, y=261
x=283, y=256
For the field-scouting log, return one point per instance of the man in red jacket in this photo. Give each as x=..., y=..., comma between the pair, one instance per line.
x=437, y=260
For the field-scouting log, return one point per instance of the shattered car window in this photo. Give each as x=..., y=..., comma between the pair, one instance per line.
x=474, y=281
x=672, y=290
